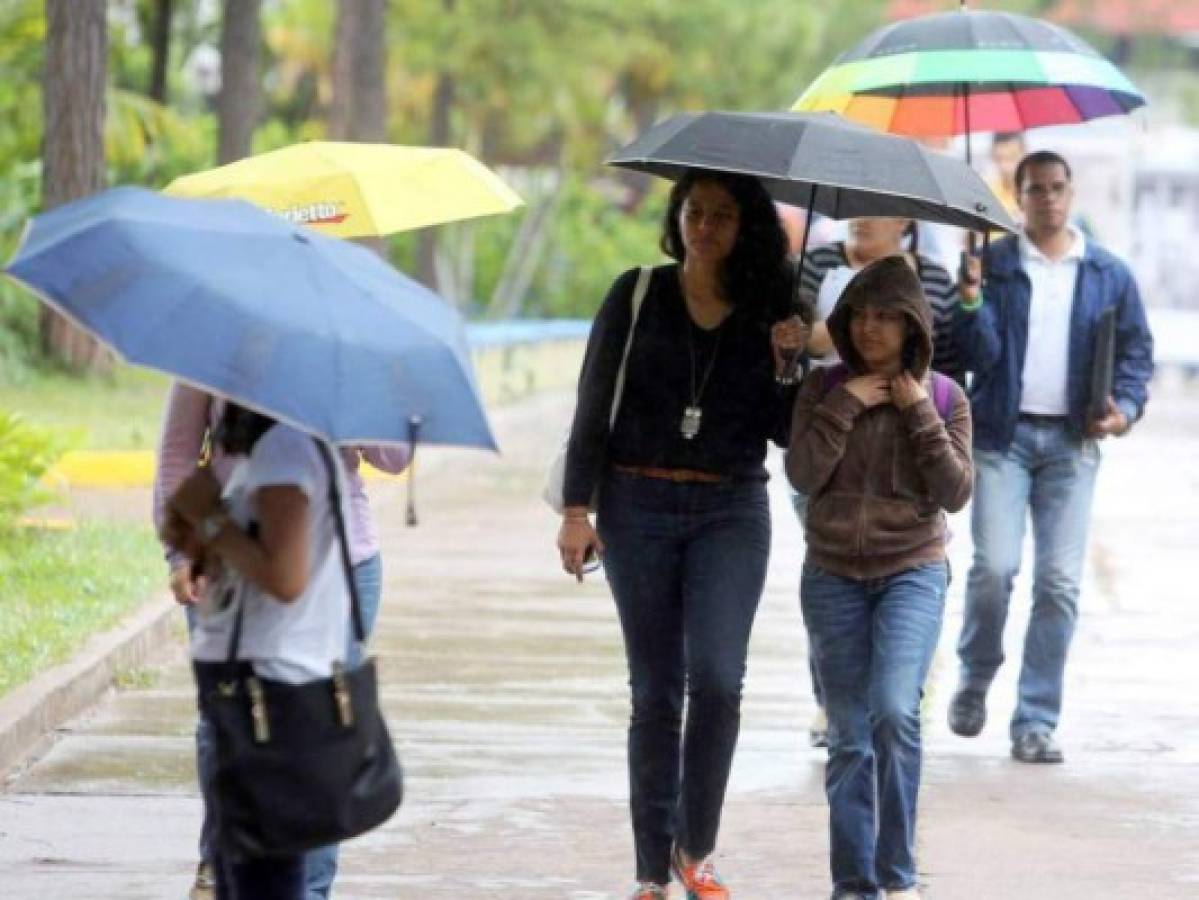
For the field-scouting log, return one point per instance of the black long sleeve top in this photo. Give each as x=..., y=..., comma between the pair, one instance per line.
x=743, y=407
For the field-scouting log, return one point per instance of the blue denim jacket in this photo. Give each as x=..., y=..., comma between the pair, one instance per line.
x=993, y=339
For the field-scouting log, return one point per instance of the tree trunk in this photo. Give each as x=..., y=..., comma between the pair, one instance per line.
x=73, y=163
x=160, y=43
x=240, y=99
x=359, y=110
x=368, y=121
x=439, y=136
x=341, y=109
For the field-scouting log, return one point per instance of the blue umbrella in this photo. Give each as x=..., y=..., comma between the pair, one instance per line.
x=314, y=331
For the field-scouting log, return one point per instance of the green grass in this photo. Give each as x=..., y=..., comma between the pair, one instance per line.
x=59, y=588
x=121, y=411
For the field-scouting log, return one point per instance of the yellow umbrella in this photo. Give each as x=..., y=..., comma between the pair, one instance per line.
x=358, y=190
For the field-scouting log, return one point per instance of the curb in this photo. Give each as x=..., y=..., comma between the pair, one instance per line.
x=33, y=712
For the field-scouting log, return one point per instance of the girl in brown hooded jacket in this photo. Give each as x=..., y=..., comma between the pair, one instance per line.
x=881, y=464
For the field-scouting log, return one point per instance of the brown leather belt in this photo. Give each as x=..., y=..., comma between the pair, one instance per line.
x=677, y=475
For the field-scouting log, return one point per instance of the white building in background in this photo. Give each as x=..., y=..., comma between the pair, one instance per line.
x=1165, y=219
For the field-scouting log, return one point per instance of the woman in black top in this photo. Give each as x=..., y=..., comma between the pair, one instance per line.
x=683, y=522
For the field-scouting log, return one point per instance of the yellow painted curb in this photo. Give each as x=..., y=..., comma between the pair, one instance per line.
x=129, y=468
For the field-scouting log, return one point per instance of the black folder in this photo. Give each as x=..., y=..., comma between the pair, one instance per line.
x=1103, y=362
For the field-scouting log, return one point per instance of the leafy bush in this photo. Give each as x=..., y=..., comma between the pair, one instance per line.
x=26, y=454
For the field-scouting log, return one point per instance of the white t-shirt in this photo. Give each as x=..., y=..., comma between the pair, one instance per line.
x=831, y=288
x=1047, y=356
x=297, y=641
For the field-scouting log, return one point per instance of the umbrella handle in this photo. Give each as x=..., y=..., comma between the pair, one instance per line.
x=414, y=424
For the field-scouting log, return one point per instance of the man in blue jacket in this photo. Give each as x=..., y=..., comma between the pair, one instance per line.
x=1029, y=339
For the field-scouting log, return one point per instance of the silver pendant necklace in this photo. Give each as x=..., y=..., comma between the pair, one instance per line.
x=692, y=413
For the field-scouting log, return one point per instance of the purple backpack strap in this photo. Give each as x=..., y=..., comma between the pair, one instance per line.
x=943, y=395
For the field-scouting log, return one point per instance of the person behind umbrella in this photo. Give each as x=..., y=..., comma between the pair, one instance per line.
x=881, y=467
x=1030, y=335
x=827, y=269
x=267, y=541
x=190, y=418
x=683, y=523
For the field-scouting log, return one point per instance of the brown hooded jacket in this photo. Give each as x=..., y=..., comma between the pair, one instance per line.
x=879, y=479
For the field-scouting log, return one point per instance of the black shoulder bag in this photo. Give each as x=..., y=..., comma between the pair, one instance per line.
x=300, y=766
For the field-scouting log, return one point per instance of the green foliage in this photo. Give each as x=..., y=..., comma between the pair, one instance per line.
x=593, y=241
x=26, y=453
x=118, y=411
x=59, y=588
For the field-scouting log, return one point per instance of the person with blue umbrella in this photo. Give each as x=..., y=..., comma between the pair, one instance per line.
x=320, y=333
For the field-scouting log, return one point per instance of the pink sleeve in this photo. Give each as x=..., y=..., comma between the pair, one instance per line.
x=183, y=425
x=393, y=458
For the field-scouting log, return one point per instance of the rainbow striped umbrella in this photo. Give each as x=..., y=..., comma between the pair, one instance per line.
x=961, y=72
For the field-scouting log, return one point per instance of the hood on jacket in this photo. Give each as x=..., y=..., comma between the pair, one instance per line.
x=889, y=281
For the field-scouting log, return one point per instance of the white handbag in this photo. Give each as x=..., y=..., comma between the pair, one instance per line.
x=555, y=479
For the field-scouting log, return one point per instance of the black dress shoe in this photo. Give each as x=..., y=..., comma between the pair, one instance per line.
x=1037, y=747
x=967, y=712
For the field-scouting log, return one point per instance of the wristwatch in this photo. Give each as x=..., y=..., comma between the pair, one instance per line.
x=211, y=525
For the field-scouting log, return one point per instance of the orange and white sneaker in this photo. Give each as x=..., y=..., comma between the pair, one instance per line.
x=699, y=879
x=648, y=890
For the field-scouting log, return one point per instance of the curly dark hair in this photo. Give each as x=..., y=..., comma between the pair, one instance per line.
x=756, y=271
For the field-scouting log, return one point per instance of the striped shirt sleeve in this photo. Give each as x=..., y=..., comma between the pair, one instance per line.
x=818, y=262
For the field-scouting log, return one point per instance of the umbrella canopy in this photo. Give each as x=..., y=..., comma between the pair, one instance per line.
x=823, y=163
x=314, y=331
x=960, y=72
x=358, y=190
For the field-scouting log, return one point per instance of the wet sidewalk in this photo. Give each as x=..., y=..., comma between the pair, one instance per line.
x=505, y=688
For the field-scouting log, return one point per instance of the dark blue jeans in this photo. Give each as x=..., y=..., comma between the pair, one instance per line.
x=873, y=642
x=686, y=563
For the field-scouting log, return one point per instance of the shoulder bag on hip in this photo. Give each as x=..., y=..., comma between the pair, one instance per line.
x=300, y=766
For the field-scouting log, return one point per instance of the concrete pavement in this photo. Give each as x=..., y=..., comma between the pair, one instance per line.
x=506, y=692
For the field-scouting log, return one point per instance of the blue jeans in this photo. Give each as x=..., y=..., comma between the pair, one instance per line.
x=686, y=564
x=873, y=642
x=1051, y=475
x=320, y=865
x=800, y=502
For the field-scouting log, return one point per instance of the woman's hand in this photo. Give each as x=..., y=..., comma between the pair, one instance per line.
x=871, y=390
x=906, y=390
x=186, y=586
x=198, y=497
x=788, y=338
x=578, y=542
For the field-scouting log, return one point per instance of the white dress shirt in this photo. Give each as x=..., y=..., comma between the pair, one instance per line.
x=1047, y=359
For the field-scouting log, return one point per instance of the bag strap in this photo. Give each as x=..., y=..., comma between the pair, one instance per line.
x=943, y=395
x=639, y=292
x=347, y=567
x=343, y=541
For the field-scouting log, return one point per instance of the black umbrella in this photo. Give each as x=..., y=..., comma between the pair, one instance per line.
x=821, y=162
